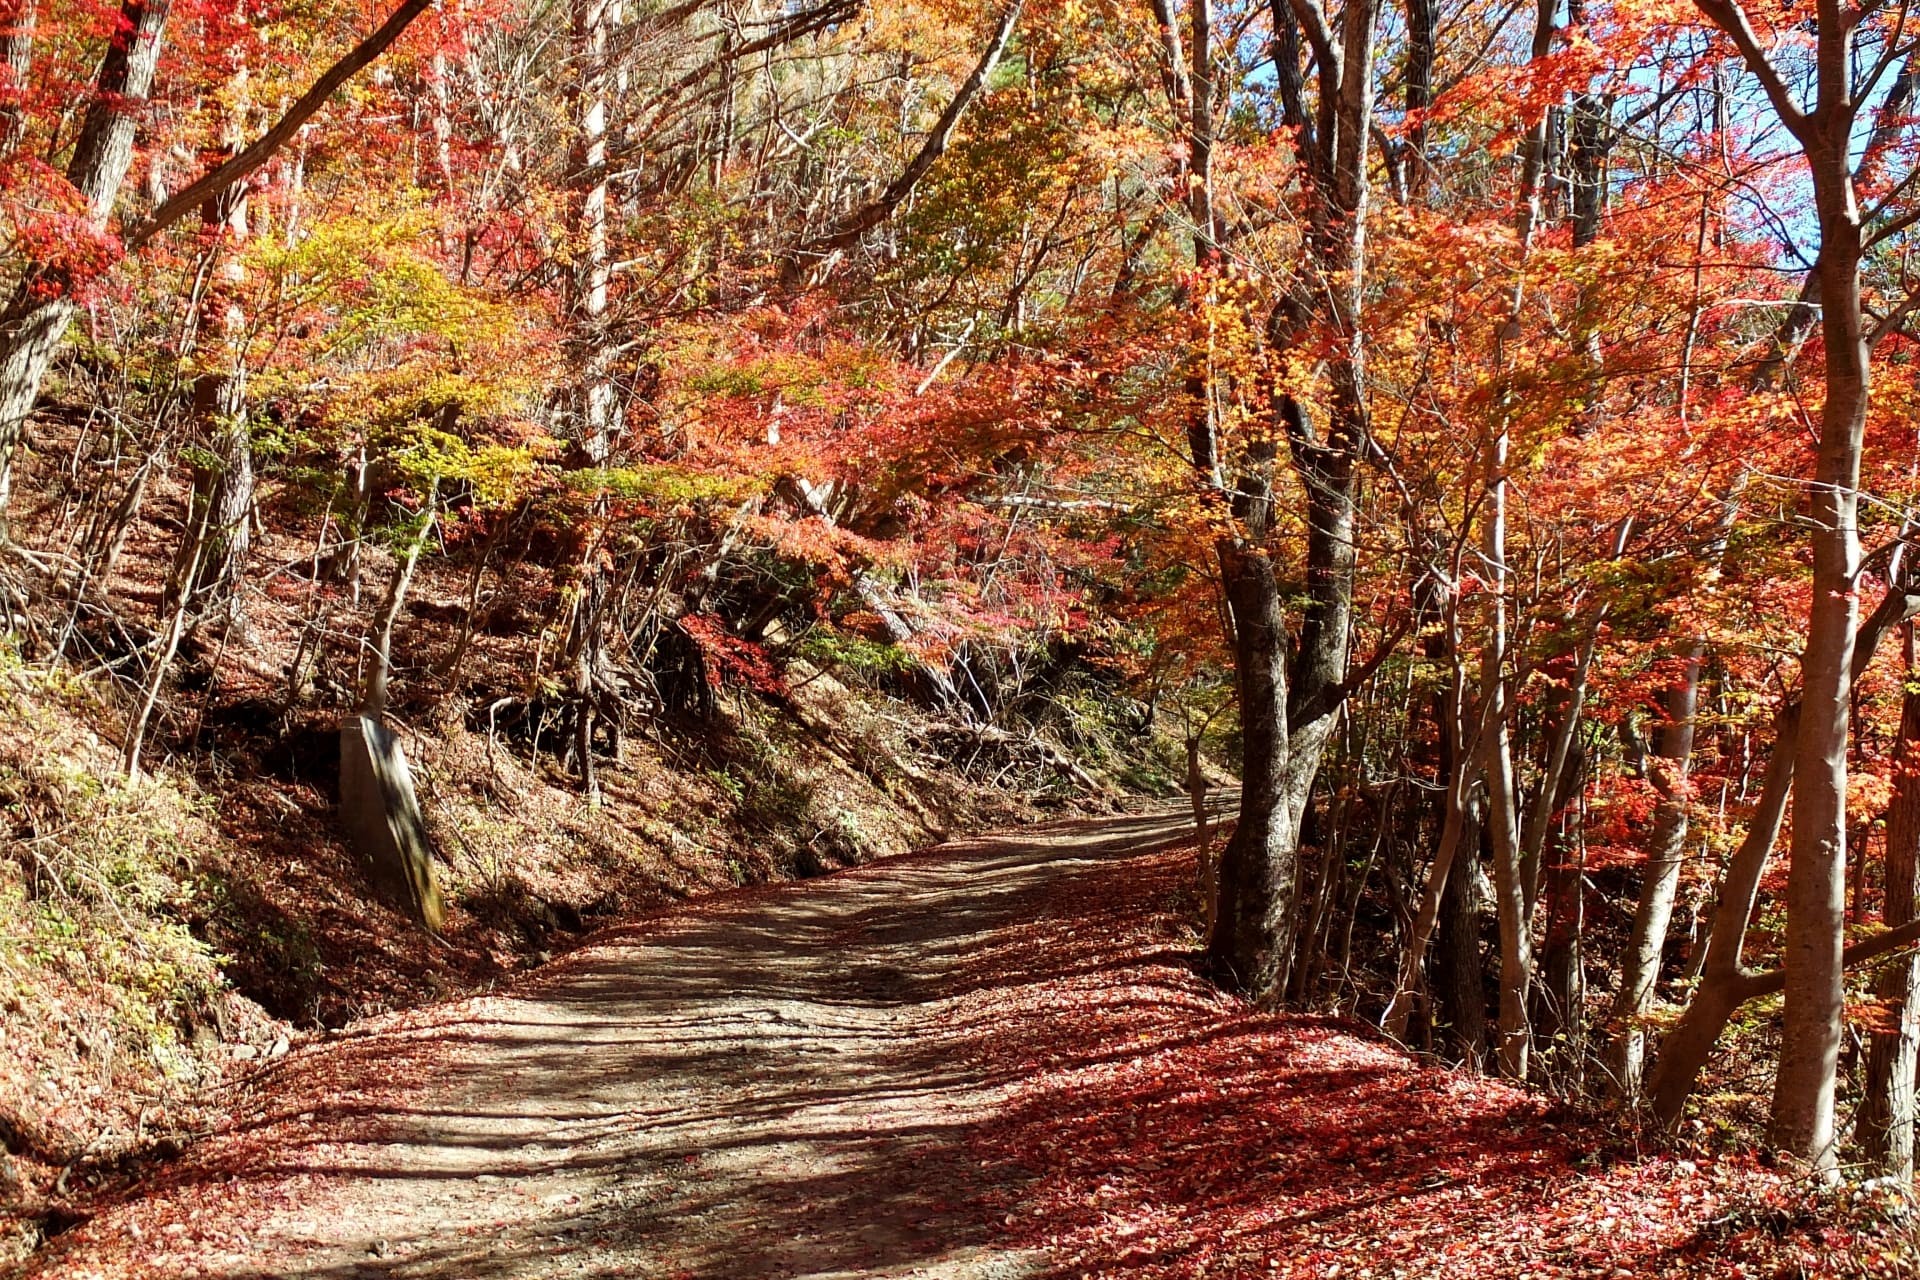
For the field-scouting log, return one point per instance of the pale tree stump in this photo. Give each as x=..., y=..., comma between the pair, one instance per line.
x=382, y=816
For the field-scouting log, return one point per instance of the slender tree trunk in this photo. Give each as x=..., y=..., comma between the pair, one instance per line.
x=1886, y=1122
x=1209, y=866
x=1509, y=881
x=374, y=691
x=594, y=425
x=1458, y=767
x=1511, y=888
x=867, y=217
x=1561, y=1025
x=176, y=626
x=1555, y=774
x=1653, y=915
x=36, y=318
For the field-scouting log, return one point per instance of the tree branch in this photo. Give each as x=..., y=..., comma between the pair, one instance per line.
x=878, y=211
x=1765, y=982
x=261, y=150
x=1732, y=19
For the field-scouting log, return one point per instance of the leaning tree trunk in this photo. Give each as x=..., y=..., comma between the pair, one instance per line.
x=1685, y=1050
x=36, y=318
x=378, y=805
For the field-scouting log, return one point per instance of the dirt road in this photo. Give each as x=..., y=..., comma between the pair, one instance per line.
x=765, y=1084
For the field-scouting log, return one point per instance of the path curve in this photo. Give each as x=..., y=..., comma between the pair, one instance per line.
x=756, y=1085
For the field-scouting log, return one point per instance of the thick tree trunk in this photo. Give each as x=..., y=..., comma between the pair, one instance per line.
x=1460, y=984
x=17, y=20
x=1286, y=718
x=1328, y=463
x=36, y=318
x=1813, y=1019
x=1886, y=1122
x=1252, y=939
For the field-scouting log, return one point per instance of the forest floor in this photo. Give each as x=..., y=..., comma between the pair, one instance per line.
x=990, y=1059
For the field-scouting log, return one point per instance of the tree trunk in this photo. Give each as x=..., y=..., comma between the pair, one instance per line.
x=1511, y=882
x=1328, y=463
x=1509, y=889
x=1286, y=719
x=1686, y=1048
x=1561, y=1024
x=1422, y=32
x=36, y=318
x=373, y=693
x=1251, y=943
x=16, y=54
x=1458, y=766
x=1812, y=1022
x=1460, y=983
x=1893, y=1053
x=1555, y=775
x=1653, y=916
x=593, y=409
x=176, y=625
x=867, y=217
x=223, y=485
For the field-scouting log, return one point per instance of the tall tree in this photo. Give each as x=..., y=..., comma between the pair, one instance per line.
x=43, y=303
x=1288, y=710
x=1803, y=1099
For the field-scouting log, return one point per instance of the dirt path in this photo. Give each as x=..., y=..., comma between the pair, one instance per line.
x=989, y=1061
x=766, y=1084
